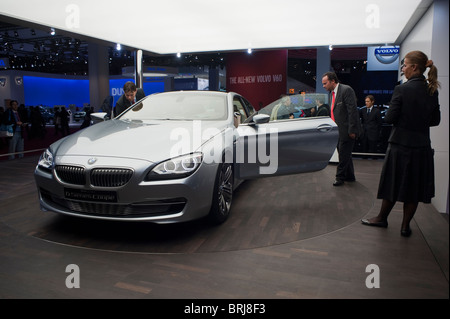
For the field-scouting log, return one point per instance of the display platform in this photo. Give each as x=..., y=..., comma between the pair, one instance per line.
x=265, y=212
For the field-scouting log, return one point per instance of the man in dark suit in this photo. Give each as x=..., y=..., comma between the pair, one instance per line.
x=131, y=95
x=344, y=112
x=371, y=121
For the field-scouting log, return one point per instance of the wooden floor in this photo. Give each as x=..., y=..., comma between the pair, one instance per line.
x=291, y=237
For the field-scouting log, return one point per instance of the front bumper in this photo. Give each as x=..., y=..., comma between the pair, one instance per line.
x=162, y=201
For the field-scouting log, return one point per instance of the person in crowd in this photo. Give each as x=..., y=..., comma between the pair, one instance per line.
x=130, y=95
x=408, y=170
x=65, y=118
x=310, y=110
x=107, y=106
x=322, y=108
x=23, y=113
x=16, y=142
x=37, y=123
x=371, y=121
x=57, y=119
x=87, y=117
x=2, y=139
x=344, y=112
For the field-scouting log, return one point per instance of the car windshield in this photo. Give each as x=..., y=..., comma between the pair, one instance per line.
x=179, y=106
x=298, y=106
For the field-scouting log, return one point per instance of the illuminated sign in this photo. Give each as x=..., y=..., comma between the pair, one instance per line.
x=61, y=91
x=4, y=63
x=383, y=58
x=387, y=55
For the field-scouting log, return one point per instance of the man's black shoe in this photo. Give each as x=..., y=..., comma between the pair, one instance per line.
x=338, y=183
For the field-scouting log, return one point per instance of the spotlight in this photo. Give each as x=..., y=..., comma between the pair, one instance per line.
x=52, y=31
x=178, y=55
x=118, y=47
x=249, y=51
x=330, y=47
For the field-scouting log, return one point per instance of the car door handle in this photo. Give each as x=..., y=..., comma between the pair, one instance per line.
x=324, y=127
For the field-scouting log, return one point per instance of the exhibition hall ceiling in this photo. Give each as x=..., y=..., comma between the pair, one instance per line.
x=180, y=26
x=211, y=28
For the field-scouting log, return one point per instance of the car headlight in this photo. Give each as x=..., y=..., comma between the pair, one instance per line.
x=177, y=167
x=46, y=160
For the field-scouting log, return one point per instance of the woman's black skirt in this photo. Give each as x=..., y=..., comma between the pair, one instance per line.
x=407, y=175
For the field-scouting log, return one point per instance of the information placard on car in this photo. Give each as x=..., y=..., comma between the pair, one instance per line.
x=90, y=195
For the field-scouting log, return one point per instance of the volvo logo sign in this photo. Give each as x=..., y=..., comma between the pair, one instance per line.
x=387, y=55
x=92, y=160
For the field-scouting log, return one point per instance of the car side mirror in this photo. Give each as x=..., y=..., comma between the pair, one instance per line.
x=99, y=117
x=260, y=119
x=237, y=119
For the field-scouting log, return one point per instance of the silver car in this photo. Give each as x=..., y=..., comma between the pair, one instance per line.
x=178, y=156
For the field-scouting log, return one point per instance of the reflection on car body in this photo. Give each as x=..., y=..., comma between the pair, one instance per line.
x=176, y=156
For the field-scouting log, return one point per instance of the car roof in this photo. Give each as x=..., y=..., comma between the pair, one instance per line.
x=199, y=92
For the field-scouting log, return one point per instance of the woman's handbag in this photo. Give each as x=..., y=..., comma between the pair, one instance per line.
x=6, y=130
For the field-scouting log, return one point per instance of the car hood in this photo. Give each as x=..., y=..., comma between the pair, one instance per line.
x=153, y=141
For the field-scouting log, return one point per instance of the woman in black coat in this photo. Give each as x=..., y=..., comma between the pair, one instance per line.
x=408, y=170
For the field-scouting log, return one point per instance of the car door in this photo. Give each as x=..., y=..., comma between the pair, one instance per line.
x=274, y=144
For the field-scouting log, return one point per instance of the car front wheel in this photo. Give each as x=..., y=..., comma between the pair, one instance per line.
x=223, y=194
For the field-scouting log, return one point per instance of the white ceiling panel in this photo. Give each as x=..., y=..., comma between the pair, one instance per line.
x=172, y=26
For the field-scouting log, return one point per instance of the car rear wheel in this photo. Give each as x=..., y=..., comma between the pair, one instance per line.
x=223, y=194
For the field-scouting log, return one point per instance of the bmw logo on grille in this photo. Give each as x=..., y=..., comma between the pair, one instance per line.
x=92, y=160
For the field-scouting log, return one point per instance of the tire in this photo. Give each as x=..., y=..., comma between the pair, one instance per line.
x=223, y=194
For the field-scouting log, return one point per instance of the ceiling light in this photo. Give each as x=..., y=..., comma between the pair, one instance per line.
x=52, y=31
x=249, y=50
x=178, y=55
x=118, y=47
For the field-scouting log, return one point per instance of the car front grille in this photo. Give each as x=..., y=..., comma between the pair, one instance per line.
x=101, y=177
x=71, y=174
x=110, y=177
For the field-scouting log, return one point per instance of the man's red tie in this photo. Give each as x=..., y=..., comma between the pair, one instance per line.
x=332, y=106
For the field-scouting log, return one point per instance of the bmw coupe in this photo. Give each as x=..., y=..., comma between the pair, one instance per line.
x=178, y=156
